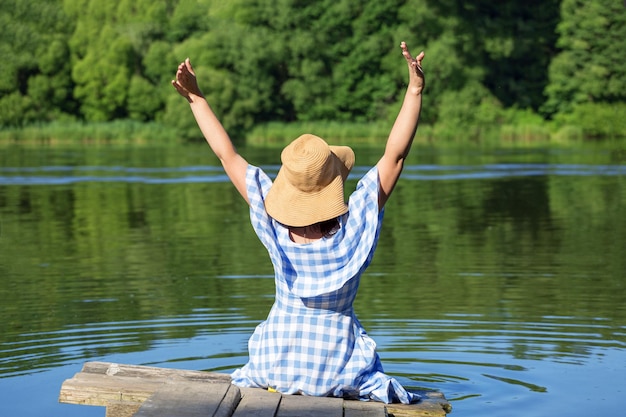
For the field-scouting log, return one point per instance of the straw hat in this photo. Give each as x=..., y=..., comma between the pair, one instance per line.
x=309, y=186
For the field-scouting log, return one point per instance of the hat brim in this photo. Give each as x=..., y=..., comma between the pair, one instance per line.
x=346, y=156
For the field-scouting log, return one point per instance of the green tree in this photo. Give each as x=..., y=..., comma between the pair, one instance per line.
x=35, y=83
x=482, y=56
x=590, y=67
x=513, y=42
x=108, y=47
x=297, y=60
x=237, y=57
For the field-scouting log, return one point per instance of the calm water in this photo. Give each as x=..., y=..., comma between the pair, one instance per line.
x=499, y=278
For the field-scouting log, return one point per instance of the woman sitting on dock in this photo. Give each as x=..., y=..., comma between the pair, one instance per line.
x=312, y=343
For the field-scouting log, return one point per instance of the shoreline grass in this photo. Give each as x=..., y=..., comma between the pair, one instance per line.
x=275, y=134
x=523, y=135
x=115, y=132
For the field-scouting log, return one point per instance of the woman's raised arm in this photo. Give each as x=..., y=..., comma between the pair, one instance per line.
x=403, y=131
x=216, y=136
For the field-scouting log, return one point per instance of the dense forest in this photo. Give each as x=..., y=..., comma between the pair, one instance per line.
x=556, y=63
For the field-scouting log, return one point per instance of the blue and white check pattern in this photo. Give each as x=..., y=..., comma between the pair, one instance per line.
x=312, y=343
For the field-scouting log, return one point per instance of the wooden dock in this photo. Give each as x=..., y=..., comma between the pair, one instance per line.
x=142, y=391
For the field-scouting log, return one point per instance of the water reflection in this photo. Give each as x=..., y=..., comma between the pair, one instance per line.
x=498, y=279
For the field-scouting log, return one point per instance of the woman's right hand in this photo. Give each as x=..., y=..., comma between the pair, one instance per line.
x=416, y=74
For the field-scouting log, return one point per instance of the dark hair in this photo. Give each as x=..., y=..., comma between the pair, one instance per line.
x=328, y=227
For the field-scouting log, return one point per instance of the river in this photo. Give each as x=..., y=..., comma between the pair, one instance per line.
x=499, y=278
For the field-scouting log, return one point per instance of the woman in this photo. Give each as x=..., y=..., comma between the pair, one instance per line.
x=312, y=343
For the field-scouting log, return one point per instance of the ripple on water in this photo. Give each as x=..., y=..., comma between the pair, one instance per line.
x=455, y=353
x=29, y=353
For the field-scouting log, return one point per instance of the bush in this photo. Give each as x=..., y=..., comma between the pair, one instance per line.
x=596, y=120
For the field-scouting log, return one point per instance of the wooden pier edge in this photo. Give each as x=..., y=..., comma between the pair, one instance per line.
x=144, y=391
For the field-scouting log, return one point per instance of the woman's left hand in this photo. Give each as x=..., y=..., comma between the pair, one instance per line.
x=186, y=82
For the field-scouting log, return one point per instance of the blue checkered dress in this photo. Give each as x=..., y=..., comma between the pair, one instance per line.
x=312, y=343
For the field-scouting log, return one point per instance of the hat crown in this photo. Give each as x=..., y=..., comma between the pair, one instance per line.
x=309, y=165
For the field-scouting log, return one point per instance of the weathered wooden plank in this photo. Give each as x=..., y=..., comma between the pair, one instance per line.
x=99, y=383
x=364, y=409
x=93, y=389
x=305, y=406
x=138, y=371
x=432, y=404
x=121, y=409
x=188, y=399
x=231, y=400
x=257, y=402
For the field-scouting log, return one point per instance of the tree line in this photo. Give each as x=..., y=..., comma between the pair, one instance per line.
x=263, y=61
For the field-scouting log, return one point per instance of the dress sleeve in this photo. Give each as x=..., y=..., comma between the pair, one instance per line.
x=257, y=186
x=366, y=219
